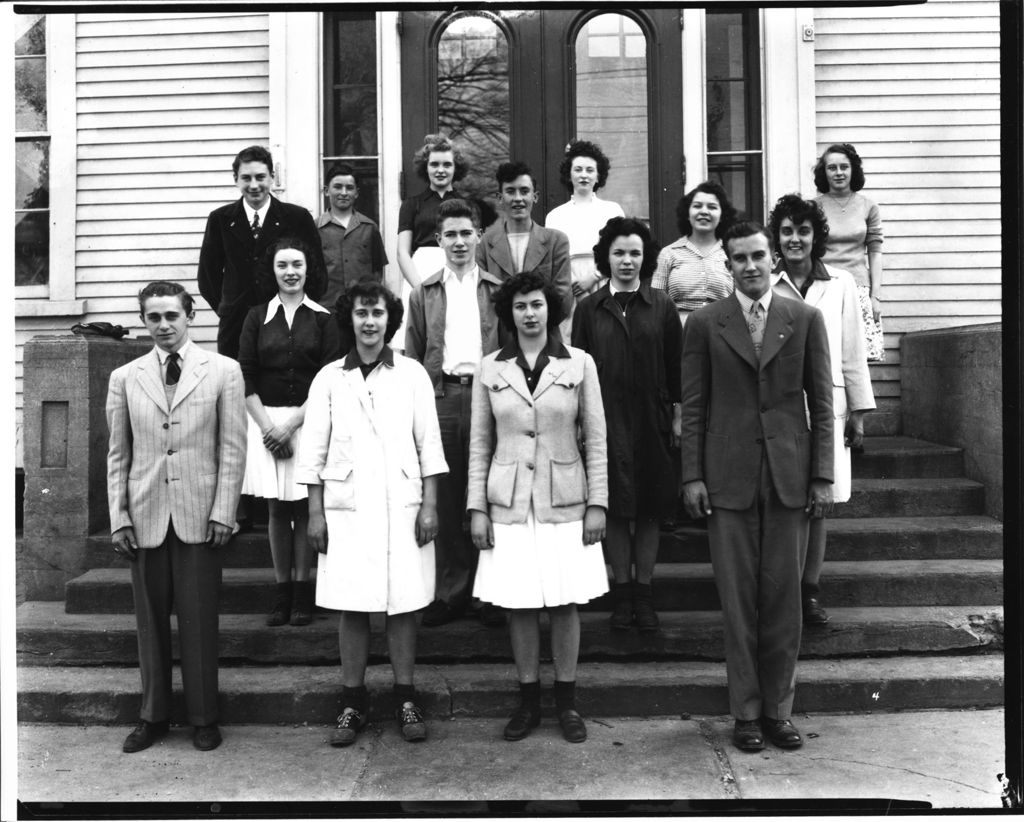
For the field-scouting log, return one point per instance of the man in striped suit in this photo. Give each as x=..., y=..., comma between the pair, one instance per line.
x=174, y=472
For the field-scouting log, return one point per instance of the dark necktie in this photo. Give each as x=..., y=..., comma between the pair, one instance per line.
x=173, y=369
x=256, y=226
x=623, y=298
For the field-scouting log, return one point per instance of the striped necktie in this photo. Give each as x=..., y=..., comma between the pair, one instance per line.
x=755, y=324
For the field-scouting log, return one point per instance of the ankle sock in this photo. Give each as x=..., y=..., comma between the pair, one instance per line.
x=358, y=698
x=529, y=695
x=403, y=694
x=565, y=696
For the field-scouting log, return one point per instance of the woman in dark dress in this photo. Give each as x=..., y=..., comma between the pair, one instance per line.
x=282, y=346
x=633, y=333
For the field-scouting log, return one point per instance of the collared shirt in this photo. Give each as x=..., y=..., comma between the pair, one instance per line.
x=692, y=277
x=289, y=312
x=552, y=348
x=463, y=346
x=818, y=272
x=418, y=214
x=163, y=355
x=251, y=212
x=352, y=360
x=746, y=303
x=351, y=253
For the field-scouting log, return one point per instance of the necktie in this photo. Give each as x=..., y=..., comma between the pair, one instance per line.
x=256, y=226
x=755, y=323
x=173, y=369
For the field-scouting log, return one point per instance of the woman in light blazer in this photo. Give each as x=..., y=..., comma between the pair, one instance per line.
x=538, y=492
x=800, y=233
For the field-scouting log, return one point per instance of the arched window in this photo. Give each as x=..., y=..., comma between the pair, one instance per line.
x=611, y=105
x=473, y=96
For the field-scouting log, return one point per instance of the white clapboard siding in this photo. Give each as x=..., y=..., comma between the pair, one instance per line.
x=916, y=89
x=164, y=102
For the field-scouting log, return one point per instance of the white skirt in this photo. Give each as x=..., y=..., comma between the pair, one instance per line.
x=842, y=485
x=265, y=475
x=540, y=564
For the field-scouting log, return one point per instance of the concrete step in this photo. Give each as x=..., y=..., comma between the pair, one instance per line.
x=48, y=636
x=886, y=419
x=906, y=458
x=294, y=694
x=914, y=498
x=867, y=538
x=679, y=586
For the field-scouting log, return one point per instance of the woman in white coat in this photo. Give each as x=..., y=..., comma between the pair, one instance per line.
x=800, y=233
x=537, y=498
x=370, y=456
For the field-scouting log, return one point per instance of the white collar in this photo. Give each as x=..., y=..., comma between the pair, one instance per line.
x=450, y=275
x=275, y=303
x=614, y=290
x=250, y=211
x=746, y=303
x=163, y=355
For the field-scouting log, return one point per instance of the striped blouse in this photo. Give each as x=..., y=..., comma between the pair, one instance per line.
x=691, y=277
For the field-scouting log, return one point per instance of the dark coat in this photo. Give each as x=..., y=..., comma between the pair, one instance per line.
x=234, y=272
x=638, y=360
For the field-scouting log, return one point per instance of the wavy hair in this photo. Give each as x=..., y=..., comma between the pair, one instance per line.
x=584, y=148
x=267, y=279
x=367, y=292
x=707, y=187
x=439, y=142
x=624, y=227
x=856, y=167
x=799, y=210
x=523, y=283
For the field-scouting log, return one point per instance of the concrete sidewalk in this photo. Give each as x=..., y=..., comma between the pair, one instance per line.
x=949, y=759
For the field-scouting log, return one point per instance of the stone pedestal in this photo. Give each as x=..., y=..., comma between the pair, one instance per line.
x=65, y=442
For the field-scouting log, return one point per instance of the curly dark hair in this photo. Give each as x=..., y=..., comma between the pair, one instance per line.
x=856, y=167
x=367, y=292
x=584, y=148
x=799, y=210
x=623, y=227
x=439, y=142
x=523, y=283
x=707, y=187
x=267, y=279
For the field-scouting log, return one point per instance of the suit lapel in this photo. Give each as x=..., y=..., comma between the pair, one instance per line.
x=816, y=292
x=239, y=225
x=735, y=332
x=358, y=385
x=536, y=249
x=778, y=328
x=192, y=374
x=501, y=252
x=512, y=374
x=151, y=380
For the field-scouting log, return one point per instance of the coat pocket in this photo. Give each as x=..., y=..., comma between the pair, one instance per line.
x=501, y=483
x=568, y=483
x=339, y=487
x=412, y=486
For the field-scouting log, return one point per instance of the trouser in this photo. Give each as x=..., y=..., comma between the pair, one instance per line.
x=758, y=556
x=455, y=556
x=186, y=578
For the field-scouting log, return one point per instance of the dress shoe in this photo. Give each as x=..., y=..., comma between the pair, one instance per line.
x=410, y=720
x=522, y=722
x=622, y=613
x=350, y=723
x=782, y=733
x=440, y=612
x=491, y=615
x=206, y=737
x=646, y=618
x=814, y=614
x=144, y=735
x=747, y=736
x=573, y=728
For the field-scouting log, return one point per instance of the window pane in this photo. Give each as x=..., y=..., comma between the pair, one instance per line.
x=740, y=176
x=367, y=178
x=32, y=248
x=611, y=105
x=473, y=98
x=30, y=34
x=32, y=174
x=353, y=103
x=30, y=94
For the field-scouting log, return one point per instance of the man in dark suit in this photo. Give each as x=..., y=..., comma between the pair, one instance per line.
x=177, y=455
x=234, y=274
x=754, y=467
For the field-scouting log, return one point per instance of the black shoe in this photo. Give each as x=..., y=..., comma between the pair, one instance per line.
x=747, y=735
x=573, y=728
x=814, y=614
x=302, y=603
x=350, y=723
x=280, y=611
x=491, y=615
x=647, y=621
x=782, y=733
x=439, y=612
x=144, y=735
x=522, y=722
x=622, y=613
x=410, y=719
x=206, y=737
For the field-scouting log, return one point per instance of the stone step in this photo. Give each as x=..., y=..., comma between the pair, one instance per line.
x=305, y=694
x=907, y=458
x=48, y=636
x=914, y=498
x=679, y=586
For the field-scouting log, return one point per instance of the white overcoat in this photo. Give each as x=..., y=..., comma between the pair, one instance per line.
x=369, y=443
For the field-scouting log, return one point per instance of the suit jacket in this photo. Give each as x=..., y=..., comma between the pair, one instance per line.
x=523, y=448
x=234, y=271
x=736, y=409
x=836, y=299
x=184, y=463
x=546, y=252
x=424, y=332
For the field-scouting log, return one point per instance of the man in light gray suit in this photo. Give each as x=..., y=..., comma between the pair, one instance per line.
x=174, y=472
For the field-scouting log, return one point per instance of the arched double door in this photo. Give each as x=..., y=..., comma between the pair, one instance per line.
x=521, y=84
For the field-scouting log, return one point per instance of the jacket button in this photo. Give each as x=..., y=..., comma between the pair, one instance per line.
x=170, y=451
x=495, y=386
x=764, y=408
x=759, y=440
x=166, y=425
x=531, y=433
x=572, y=385
x=529, y=466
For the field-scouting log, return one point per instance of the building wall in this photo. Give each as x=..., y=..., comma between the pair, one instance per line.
x=916, y=90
